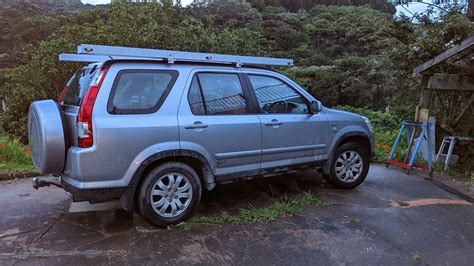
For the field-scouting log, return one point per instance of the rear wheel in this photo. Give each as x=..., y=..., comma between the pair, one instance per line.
x=349, y=167
x=169, y=194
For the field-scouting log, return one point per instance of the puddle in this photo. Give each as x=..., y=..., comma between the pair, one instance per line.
x=87, y=207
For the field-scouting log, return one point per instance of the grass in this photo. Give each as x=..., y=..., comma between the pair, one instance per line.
x=265, y=214
x=463, y=172
x=14, y=156
x=417, y=257
x=403, y=204
x=470, y=181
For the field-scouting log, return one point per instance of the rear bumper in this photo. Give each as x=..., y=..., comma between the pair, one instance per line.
x=84, y=169
x=95, y=195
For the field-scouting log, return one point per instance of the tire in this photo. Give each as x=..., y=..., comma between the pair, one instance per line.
x=46, y=137
x=166, y=200
x=345, y=180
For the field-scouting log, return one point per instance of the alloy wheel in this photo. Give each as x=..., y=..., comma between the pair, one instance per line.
x=349, y=166
x=171, y=195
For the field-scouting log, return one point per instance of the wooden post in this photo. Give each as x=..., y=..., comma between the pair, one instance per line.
x=470, y=10
x=425, y=101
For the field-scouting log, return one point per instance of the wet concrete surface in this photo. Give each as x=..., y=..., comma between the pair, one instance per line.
x=360, y=226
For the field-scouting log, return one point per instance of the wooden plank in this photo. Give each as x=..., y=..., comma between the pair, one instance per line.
x=463, y=46
x=450, y=82
x=425, y=100
x=470, y=10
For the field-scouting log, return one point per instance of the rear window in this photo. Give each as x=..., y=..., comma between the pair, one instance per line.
x=78, y=85
x=140, y=91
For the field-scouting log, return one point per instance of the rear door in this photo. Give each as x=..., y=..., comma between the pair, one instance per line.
x=216, y=119
x=71, y=98
x=291, y=134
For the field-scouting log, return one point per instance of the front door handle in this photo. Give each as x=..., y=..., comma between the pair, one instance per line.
x=273, y=123
x=196, y=125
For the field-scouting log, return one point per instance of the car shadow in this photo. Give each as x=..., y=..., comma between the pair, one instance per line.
x=228, y=198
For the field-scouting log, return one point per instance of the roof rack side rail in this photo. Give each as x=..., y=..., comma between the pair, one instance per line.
x=99, y=58
x=118, y=52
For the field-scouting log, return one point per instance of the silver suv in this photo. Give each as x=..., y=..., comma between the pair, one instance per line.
x=155, y=134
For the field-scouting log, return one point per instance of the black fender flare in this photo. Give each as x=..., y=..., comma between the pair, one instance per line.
x=340, y=139
x=128, y=198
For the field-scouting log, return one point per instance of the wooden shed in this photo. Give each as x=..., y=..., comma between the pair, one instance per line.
x=448, y=85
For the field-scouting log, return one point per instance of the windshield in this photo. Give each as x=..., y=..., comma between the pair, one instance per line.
x=78, y=85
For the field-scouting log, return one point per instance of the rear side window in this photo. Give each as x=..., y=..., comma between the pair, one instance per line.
x=217, y=94
x=140, y=91
x=196, y=100
x=78, y=85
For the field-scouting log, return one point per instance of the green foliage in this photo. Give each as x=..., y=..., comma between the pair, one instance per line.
x=417, y=44
x=350, y=80
x=383, y=121
x=470, y=181
x=385, y=126
x=284, y=32
x=339, y=30
x=296, y=5
x=265, y=214
x=153, y=25
x=231, y=14
x=346, y=54
x=14, y=155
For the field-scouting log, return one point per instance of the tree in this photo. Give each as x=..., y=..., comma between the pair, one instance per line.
x=153, y=25
x=230, y=14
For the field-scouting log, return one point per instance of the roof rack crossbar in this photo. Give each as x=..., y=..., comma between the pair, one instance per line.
x=97, y=53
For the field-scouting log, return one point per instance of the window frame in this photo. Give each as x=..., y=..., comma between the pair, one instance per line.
x=250, y=104
x=255, y=99
x=116, y=111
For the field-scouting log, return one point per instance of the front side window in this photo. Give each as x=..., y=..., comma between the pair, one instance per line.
x=221, y=93
x=139, y=92
x=275, y=97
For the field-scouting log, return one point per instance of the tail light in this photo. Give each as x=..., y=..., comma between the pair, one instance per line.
x=84, y=119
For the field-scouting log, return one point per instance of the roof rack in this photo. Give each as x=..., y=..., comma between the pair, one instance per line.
x=98, y=53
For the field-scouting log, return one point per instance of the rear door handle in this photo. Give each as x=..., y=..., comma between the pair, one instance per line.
x=196, y=125
x=273, y=123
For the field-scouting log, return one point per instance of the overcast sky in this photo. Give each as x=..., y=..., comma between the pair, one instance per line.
x=95, y=2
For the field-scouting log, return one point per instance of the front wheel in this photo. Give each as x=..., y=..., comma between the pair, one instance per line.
x=169, y=194
x=349, y=166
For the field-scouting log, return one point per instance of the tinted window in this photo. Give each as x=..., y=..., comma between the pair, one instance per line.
x=274, y=96
x=140, y=91
x=222, y=94
x=78, y=85
x=195, y=98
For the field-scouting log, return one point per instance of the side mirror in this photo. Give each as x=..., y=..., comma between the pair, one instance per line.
x=316, y=107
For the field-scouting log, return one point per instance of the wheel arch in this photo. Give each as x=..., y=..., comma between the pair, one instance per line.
x=359, y=137
x=192, y=158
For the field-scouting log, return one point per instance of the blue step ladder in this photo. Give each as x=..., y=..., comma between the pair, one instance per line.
x=409, y=162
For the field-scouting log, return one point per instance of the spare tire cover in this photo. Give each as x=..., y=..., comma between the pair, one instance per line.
x=46, y=136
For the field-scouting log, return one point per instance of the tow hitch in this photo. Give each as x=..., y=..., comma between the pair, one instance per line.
x=46, y=181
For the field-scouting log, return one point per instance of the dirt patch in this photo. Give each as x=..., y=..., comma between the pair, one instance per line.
x=425, y=202
x=459, y=184
x=14, y=174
